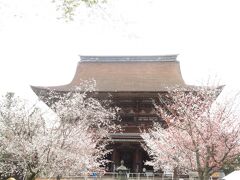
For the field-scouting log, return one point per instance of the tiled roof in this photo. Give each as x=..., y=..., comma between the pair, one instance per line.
x=127, y=73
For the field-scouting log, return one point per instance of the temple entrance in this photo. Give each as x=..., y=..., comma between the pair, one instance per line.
x=127, y=157
x=132, y=154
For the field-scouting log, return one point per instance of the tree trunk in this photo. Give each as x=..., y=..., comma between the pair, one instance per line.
x=31, y=176
x=200, y=175
x=203, y=176
x=206, y=177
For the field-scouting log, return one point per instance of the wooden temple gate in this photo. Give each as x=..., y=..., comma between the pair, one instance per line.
x=132, y=83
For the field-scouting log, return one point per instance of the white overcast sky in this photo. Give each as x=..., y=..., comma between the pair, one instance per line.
x=38, y=49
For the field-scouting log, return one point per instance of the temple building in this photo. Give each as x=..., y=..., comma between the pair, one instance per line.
x=134, y=84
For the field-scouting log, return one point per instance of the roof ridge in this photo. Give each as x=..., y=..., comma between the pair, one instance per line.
x=132, y=58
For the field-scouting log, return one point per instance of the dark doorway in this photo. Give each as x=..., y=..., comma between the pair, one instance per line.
x=127, y=157
x=133, y=155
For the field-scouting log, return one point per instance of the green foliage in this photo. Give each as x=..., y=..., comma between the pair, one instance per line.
x=228, y=168
x=68, y=8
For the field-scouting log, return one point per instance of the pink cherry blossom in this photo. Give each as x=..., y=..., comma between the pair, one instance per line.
x=201, y=134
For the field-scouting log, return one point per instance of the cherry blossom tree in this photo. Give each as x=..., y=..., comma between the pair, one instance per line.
x=71, y=141
x=24, y=137
x=79, y=106
x=201, y=134
x=90, y=117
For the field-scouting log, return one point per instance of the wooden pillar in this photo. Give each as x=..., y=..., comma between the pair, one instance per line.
x=137, y=160
x=140, y=160
x=115, y=157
